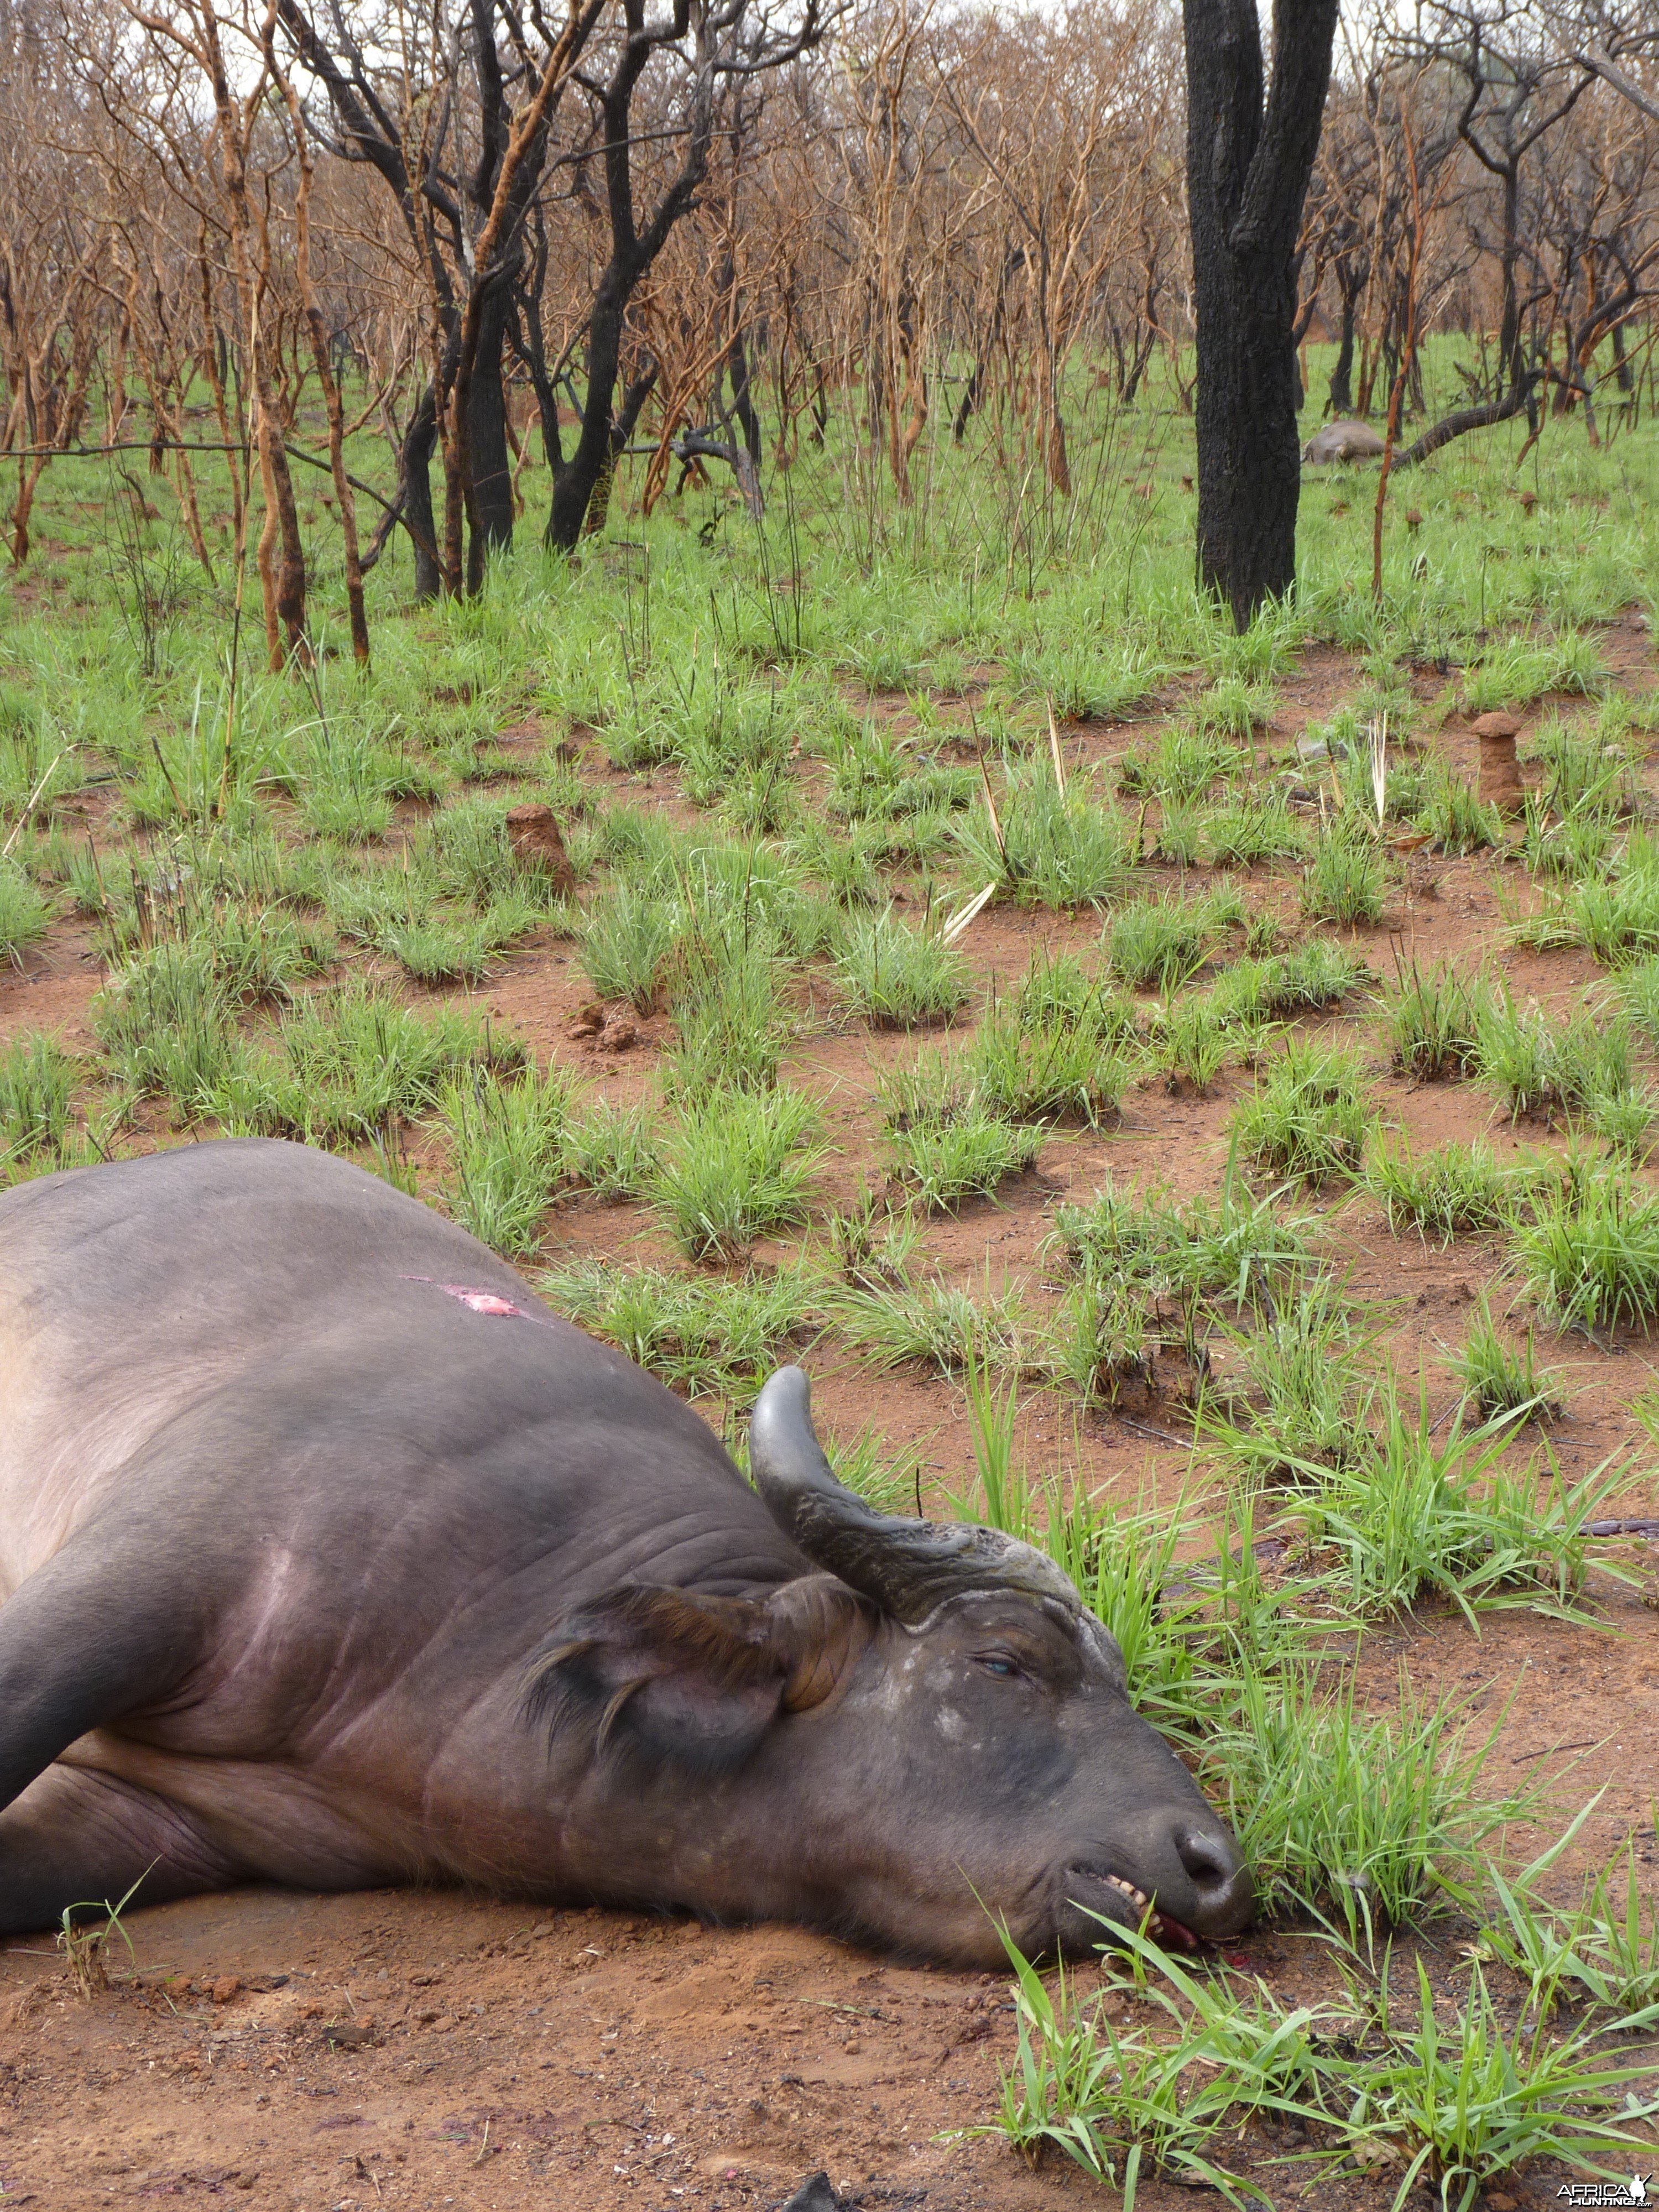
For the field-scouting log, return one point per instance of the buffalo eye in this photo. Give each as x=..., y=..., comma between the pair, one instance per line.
x=995, y=1663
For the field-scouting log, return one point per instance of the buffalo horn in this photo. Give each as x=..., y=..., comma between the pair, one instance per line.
x=909, y=1568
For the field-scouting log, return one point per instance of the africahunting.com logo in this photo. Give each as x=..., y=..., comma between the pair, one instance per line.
x=1633, y=2191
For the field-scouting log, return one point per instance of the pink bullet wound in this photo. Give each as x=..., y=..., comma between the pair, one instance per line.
x=476, y=1301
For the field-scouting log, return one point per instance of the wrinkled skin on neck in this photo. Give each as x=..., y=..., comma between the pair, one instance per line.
x=931, y=1783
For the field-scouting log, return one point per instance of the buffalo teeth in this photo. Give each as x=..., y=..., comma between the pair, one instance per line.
x=1139, y=1899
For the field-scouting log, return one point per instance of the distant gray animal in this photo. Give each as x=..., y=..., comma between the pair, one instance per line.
x=330, y=1556
x=1342, y=441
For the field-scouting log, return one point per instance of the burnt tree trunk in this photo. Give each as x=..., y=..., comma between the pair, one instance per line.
x=575, y=481
x=418, y=441
x=1248, y=164
x=487, y=450
x=1340, y=400
x=743, y=400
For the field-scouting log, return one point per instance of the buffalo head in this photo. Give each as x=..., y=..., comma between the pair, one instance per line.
x=926, y=1737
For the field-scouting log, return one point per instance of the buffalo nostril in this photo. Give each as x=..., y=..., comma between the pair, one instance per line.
x=1205, y=1858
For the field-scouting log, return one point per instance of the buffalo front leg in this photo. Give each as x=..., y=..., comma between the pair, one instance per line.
x=75, y=1836
x=97, y=1633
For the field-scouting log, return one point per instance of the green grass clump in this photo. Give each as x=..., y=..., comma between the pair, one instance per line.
x=1158, y=944
x=1457, y=1190
x=1183, y=764
x=23, y=914
x=898, y=977
x=875, y=774
x=1056, y=992
x=728, y=1018
x=1097, y=1338
x=349, y=1064
x=738, y=1165
x=1124, y=2101
x=967, y=1156
x=1638, y=994
x=1203, y=1247
x=1309, y=1117
x=1588, y=780
x=629, y=939
x=1253, y=830
x=1411, y=1512
x=1193, y=1039
x=896, y=1323
x=1518, y=669
x=1603, y=1951
x=610, y=1150
x=1345, y=1816
x=1343, y=881
x=262, y=953
x=1316, y=974
x=1582, y=1067
x=345, y=777
x=1374, y=2082
x=1453, y=817
x=1462, y=2110
x=1592, y=1256
x=433, y=935
x=1047, y=846
x=440, y=951
x=1089, y=681
x=720, y=1334
x=1033, y=1071
x=1234, y=707
x=1569, y=847
x=1179, y=833
x=1305, y=1383
x=506, y=1149
x=164, y=1021
x=1610, y=905
x=1433, y=1022
x=1501, y=1378
x=37, y=1080
x=847, y=867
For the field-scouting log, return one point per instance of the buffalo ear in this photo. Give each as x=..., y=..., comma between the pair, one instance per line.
x=665, y=1673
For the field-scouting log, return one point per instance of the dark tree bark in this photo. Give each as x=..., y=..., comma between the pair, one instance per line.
x=416, y=494
x=1352, y=277
x=1248, y=164
x=487, y=450
x=743, y=399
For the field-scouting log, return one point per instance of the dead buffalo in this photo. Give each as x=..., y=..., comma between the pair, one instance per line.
x=1342, y=441
x=332, y=1558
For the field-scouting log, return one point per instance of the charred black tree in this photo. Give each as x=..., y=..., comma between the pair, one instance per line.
x=715, y=50
x=416, y=487
x=1248, y=164
x=444, y=215
x=486, y=408
x=1352, y=275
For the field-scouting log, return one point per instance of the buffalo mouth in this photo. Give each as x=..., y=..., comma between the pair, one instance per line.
x=1158, y=1925
x=1113, y=1900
